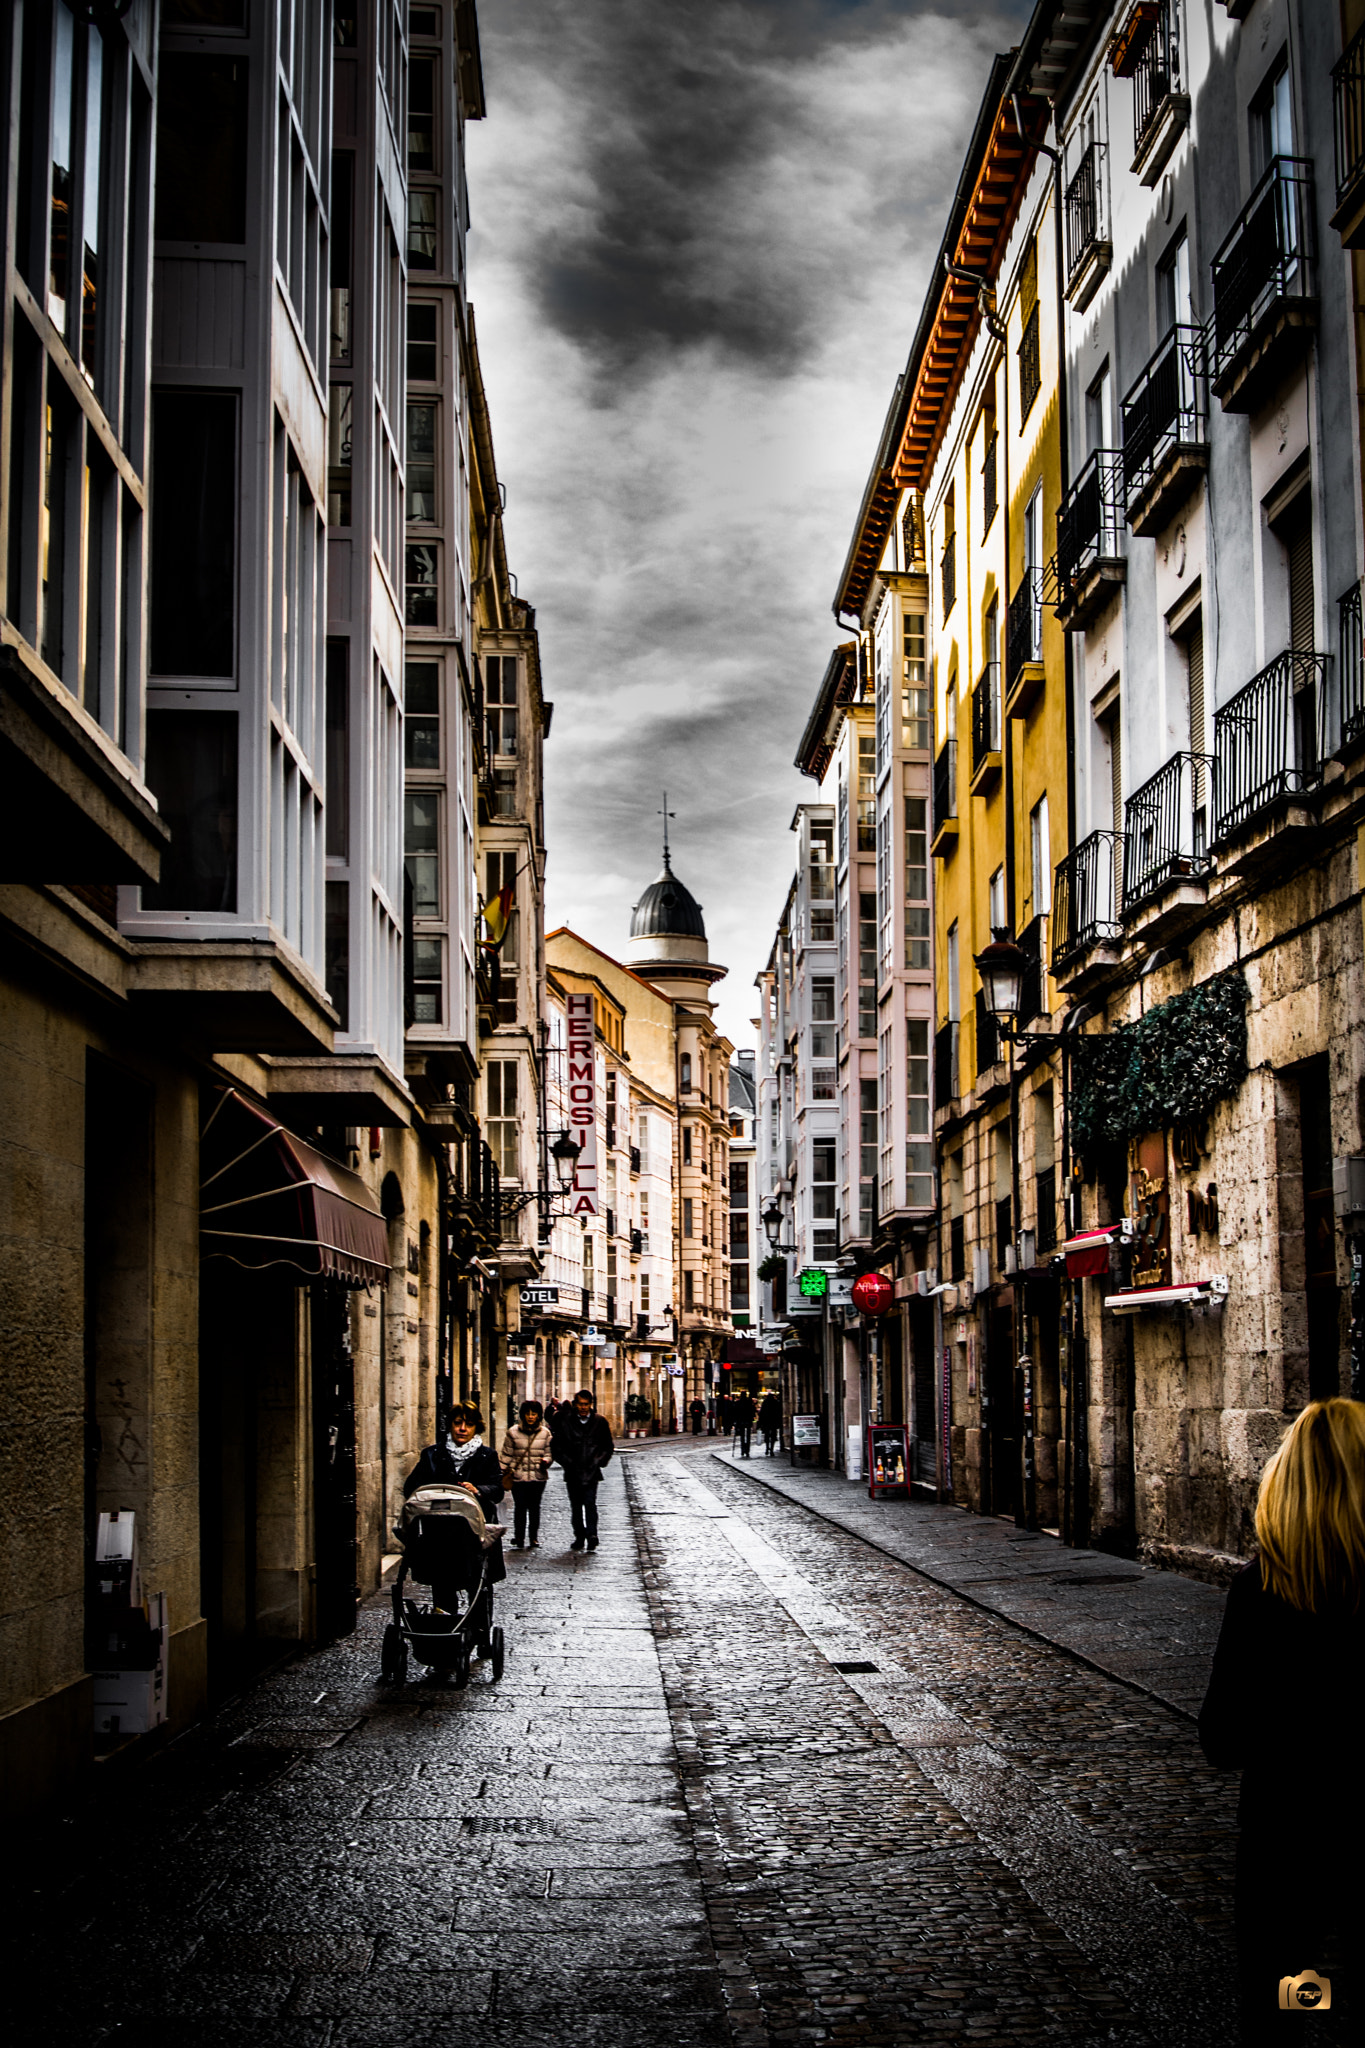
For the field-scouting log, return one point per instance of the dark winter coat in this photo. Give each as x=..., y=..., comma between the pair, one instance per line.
x=744, y=1411
x=770, y=1415
x=483, y=1470
x=1283, y=1683
x=583, y=1450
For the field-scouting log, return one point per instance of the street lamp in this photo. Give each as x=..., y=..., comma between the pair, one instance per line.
x=1002, y=966
x=771, y=1215
x=565, y=1153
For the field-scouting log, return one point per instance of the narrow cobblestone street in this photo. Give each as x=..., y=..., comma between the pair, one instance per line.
x=741, y=1763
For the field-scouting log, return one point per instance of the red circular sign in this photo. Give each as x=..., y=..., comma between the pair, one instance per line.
x=873, y=1295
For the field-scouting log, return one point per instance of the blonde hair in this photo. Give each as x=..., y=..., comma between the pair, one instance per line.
x=1310, y=1511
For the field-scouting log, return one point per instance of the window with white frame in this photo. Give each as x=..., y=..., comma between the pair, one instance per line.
x=822, y=1068
x=914, y=683
x=1040, y=853
x=882, y=689
x=824, y=1197
x=502, y=1117
x=995, y=900
x=916, y=882
x=885, y=892
x=821, y=873
x=919, y=1152
x=885, y=1093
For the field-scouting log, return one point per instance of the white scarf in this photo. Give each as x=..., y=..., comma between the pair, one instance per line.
x=462, y=1453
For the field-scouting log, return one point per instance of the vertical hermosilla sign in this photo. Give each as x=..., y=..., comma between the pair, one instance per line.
x=583, y=1102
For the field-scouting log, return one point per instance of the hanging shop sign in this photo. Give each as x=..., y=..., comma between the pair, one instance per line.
x=583, y=1102
x=873, y=1295
x=1150, y=1205
x=538, y=1294
x=813, y=1281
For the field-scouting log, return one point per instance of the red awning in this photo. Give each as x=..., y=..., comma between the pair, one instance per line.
x=267, y=1198
x=1087, y=1254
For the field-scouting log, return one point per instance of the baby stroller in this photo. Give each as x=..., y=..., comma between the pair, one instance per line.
x=446, y=1546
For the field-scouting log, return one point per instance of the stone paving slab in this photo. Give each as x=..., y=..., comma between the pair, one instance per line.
x=1153, y=1629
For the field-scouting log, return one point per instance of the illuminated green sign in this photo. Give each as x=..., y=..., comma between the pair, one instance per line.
x=813, y=1282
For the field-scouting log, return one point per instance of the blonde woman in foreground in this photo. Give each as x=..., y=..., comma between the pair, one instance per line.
x=1286, y=1707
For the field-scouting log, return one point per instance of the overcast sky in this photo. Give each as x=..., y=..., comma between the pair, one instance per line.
x=702, y=231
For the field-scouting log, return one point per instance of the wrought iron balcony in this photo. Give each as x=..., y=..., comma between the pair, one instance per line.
x=948, y=566
x=1024, y=628
x=1351, y=642
x=1164, y=840
x=1264, y=287
x=986, y=720
x=1090, y=561
x=1348, y=112
x=1268, y=739
x=1165, y=431
x=1087, y=897
x=1088, y=250
x=945, y=1065
x=1156, y=76
x=945, y=787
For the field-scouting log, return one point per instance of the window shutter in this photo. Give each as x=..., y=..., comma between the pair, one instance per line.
x=1299, y=547
x=1116, y=769
x=1194, y=652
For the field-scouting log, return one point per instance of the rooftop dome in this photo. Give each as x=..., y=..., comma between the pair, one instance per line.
x=667, y=907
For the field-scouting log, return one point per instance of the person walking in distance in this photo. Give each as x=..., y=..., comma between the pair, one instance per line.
x=769, y=1422
x=1288, y=1669
x=746, y=1414
x=525, y=1468
x=582, y=1450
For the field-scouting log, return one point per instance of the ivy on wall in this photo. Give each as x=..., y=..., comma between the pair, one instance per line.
x=1169, y=1067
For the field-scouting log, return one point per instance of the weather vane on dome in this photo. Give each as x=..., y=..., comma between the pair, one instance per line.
x=665, y=814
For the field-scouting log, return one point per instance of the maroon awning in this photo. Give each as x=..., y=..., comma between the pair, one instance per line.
x=267, y=1198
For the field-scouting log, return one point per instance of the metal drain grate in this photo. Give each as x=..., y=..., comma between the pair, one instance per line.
x=507, y=1824
x=857, y=1667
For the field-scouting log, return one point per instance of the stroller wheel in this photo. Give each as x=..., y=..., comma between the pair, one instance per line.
x=461, y=1673
x=499, y=1653
x=393, y=1658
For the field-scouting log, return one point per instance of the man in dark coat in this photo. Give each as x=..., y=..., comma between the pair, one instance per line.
x=582, y=1450
x=745, y=1415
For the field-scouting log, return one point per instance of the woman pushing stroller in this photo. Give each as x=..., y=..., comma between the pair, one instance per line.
x=464, y=1459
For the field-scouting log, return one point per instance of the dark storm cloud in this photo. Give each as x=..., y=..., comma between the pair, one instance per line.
x=702, y=232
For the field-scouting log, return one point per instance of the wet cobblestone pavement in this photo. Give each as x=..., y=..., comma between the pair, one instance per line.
x=745, y=1779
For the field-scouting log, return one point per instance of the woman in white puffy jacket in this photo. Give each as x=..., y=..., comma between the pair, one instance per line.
x=525, y=1468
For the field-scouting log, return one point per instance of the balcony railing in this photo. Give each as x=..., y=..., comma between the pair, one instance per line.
x=1348, y=110
x=945, y=784
x=1163, y=837
x=986, y=715
x=1087, y=897
x=1084, y=212
x=948, y=567
x=1090, y=520
x=945, y=1065
x=1024, y=624
x=987, y=1036
x=1156, y=74
x=1166, y=409
x=1351, y=641
x=1268, y=738
x=1267, y=257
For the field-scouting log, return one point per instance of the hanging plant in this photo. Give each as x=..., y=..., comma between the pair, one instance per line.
x=770, y=1267
x=1169, y=1067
